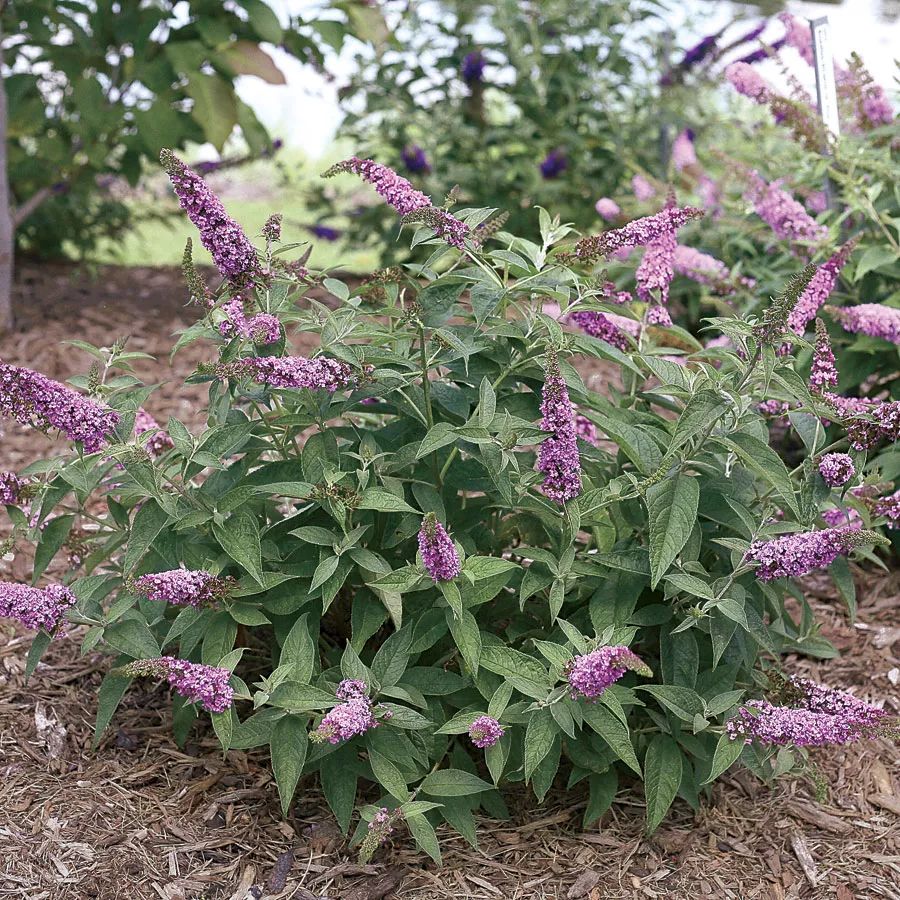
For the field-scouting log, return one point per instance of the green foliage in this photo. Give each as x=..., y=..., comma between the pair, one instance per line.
x=561, y=75
x=98, y=87
x=311, y=502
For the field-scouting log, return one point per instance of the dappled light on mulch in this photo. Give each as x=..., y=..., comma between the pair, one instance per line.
x=140, y=818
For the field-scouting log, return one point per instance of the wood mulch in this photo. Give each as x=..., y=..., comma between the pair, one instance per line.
x=140, y=818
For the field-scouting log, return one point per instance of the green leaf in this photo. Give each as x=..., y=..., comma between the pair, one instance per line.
x=53, y=535
x=338, y=777
x=701, y=410
x=215, y=106
x=112, y=689
x=388, y=775
x=453, y=783
x=873, y=258
x=148, y=522
x=133, y=638
x=662, y=777
x=727, y=752
x=467, y=637
x=672, y=509
x=760, y=458
x=438, y=436
x=601, y=720
x=324, y=570
x=297, y=697
x=682, y=701
x=524, y=672
x=288, y=746
x=223, y=726
x=239, y=538
x=39, y=643
x=263, y=20
x=424, y=836
x=539, y=736
x=384, y=501
x=299, y=652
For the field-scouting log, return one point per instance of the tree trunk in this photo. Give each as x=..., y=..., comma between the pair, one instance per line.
x=7, y=230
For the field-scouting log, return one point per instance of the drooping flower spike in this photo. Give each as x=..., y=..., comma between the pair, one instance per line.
x=872, y=319
x=225, y=240
x=197, y=683
x=32, y=399
x=403, y=197
x=782, y=213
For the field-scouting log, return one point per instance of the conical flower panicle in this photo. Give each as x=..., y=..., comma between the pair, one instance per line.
x=592, y=673
x=823, y=374
x=35, y=608
x=558, y=457
x=776, y=315
x=819, y=288
x=197, y=683
x=225, y=240
x=439, y=554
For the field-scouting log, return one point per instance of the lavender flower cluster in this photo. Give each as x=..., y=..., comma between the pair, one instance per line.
x=792, y=555
x=637, y=233
x=439, y=554
x=591, y=674
x=558, y=457
x=872, y=319
x=485, y=731
x=782, y=213
x=403, y=197
x=225, y=240
x=823, y=374
x=351, y=717
x=183, y=587
x=600, y=325
x=836, y=469
x=657, y=268
x=35, y=608
x=291, y=372
x=197, y=683
x=32, y=399
x=818, y=716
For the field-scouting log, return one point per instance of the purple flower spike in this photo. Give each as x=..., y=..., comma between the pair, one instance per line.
x=183, y=587
x=784, y=215
x=819, y=288
x=345, y=721
x=792, y=555
x=683, y=153
x=747, y=81
x=836, y=469
x=225, y=240
x=403, y=197
x=655, y=273
x=823, y=374
x=207, y=685
x=325, y=233
x=31, y=399
x=558, y=457
x=591, y=674
x=35, y=608
x=600, y=325
x=439, y=554
x=643, y=190
x=291, y=372
x=485, y=731
x=872, y=319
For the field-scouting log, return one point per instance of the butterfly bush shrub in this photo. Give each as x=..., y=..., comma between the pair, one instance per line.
x=434, y=560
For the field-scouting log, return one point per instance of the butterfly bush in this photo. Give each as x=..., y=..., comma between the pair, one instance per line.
x=455, y=548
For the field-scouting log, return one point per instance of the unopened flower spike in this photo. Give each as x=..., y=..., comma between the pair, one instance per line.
x=777, y=314
x=199, y=292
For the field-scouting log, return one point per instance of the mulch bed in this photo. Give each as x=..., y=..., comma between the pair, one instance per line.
x=140, y=818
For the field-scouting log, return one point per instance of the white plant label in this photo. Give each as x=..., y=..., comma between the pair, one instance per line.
x=826, y=91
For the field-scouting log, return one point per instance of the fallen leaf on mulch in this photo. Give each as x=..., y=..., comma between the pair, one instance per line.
x=280, y=872
x=583, y=884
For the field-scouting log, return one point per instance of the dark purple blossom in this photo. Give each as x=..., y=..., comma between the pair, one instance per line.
x=836, y=469
x=325, y=232
x=11, y=489
x=554, y=164
x=184, y=587
x=415, y=159
x=823, y=374
x=472, y=68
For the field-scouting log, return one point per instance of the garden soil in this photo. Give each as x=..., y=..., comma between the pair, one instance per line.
x=140, y=819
